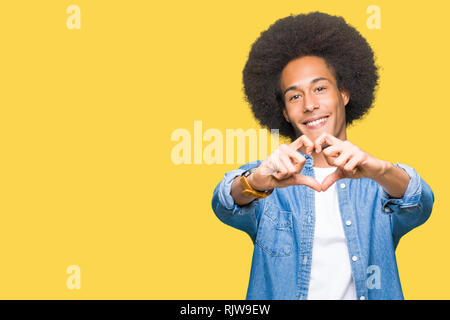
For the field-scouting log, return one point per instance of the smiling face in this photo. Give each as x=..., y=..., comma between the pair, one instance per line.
x=312, y=100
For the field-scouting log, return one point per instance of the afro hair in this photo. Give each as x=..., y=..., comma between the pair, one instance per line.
x=345, y=51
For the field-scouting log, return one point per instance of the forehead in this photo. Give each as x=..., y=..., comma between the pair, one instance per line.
x=302, y=70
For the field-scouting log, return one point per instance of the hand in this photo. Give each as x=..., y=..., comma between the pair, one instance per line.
x=282, y=168
x=351, y=162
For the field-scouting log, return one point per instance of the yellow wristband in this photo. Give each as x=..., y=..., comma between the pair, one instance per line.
x=249, y=191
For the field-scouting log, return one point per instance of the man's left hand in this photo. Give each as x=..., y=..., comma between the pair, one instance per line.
x=351, y=161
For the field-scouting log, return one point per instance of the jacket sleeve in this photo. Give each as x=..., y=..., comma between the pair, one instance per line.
x=413, y=209
x=240, y=217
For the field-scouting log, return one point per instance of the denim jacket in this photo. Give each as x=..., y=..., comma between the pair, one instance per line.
x=281, y=227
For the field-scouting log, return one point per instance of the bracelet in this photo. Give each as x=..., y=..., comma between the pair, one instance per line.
x=249, y=191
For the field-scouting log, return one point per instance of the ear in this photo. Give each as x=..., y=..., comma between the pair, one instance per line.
x=345, y=96
x=286, y=115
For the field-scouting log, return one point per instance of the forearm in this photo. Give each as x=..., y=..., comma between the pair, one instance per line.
x=236, y=192
x=394, y=180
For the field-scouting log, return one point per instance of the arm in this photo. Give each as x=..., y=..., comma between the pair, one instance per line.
x=281, y=169
x=236, y=192
x=405, y=195
x=412, y=209
x=242, y=217
x=393, y=180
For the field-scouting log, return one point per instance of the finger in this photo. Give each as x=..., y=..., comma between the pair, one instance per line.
x=271, y=164
x=286, y=160
x=332, y=151
x=308, y=144
x=302, y=141
x=283, y=169
x=308, y=181
x=297, y=159
x=352, y=164
x=342, y=159
x=299, y=179
x=322, y=139
x=330, y=179
x=325, y=138
x=296, y=144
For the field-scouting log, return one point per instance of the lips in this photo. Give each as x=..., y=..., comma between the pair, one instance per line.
x=315, y=121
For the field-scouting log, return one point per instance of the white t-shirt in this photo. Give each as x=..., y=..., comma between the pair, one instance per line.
x=331, y=273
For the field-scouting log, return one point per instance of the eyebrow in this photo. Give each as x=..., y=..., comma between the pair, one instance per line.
x=312, y=81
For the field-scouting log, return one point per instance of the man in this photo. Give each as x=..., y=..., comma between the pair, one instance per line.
x=325, y=216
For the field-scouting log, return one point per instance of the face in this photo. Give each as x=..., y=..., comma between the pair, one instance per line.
x=313, y=102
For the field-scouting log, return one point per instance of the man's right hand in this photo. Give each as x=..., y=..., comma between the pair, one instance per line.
x=283, y=166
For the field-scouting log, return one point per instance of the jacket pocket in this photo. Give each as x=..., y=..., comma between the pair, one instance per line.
x=275, y=233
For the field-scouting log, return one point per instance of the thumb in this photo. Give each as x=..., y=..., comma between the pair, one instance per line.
x=331, y=178
x=308, y=181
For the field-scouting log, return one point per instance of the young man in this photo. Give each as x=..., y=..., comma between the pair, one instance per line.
x=325, y=216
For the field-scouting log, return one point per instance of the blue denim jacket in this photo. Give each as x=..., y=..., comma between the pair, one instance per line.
x=281, y=227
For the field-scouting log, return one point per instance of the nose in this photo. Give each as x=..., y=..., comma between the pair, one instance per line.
x=310, y=105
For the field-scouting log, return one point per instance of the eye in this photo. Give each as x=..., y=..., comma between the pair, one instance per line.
x=291, y=98
x=319, y=89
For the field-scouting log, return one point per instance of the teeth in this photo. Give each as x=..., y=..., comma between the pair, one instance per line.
x=316, y=122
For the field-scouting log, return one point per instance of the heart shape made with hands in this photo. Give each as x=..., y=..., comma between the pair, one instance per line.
x=343, y=155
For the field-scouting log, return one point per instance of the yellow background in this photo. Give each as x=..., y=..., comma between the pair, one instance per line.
x=86, y=176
